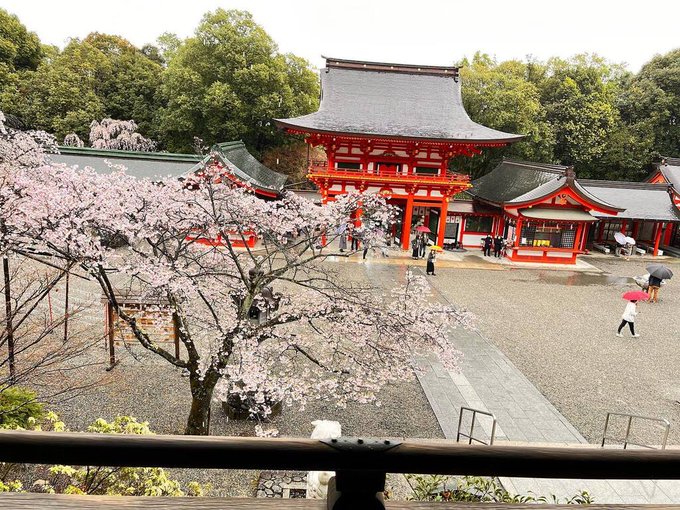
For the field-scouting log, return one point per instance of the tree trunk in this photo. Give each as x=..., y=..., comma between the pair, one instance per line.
x=198, y=423
x=8, y=317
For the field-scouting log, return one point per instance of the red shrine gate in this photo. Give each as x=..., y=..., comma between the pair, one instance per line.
x=411, y=175
x=392, y=129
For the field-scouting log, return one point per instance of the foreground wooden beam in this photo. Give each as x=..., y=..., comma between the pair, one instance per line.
x=62, y=502
x=427, y=457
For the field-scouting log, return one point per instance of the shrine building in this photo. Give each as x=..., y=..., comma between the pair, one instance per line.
x=392, y=129
x=551, y=216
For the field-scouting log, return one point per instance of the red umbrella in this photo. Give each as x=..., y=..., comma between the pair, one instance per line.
x=636, y=295
x=423, y=228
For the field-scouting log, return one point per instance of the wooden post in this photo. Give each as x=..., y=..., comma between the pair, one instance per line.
x=657, y=238
x=444, y=208
x=406, y=225
x=66, y=305
x=8, y=320
x=110, y=335
x=349, y=490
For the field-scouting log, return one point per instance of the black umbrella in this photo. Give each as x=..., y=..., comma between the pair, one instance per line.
x=659, y=271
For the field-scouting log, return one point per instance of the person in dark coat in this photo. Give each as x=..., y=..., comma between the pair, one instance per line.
x=654, y=286
x=355, y=238
x=430, y=263
x=497, y=246
x=488, y=241
x=423, y=245
x=415, y=246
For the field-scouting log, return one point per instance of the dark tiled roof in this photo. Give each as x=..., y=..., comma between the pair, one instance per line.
x=249, y=169
x=641, y=200
x=138, y=164
x=393, y=100
x=512, y=179
x=671, y=171
x=469, y=207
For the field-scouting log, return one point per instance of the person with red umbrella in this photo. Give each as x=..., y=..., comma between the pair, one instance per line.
x=631, y=312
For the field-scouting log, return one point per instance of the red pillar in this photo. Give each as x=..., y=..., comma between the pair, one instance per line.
x=518, y=231
x=578, y=238
x=443, y=211
x=657, y=238
x=584, y=236
x=636, y=229
x=324, y=201
x=624, y=224
x=406, y=225
x=500, y=226
x=668, y=235
x=600, y=233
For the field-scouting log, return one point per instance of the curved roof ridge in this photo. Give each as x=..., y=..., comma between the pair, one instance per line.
x=597, y=183
x=670, y=161
x=543, y=167
x=373, y=100
x=366, y=65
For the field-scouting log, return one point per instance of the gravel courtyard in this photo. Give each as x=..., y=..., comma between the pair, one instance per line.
x=558, y=328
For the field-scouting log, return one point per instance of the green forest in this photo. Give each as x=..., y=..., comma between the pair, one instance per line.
x=229, y=80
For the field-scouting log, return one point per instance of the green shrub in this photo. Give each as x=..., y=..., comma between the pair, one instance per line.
x=479, y=489
x=19, y=408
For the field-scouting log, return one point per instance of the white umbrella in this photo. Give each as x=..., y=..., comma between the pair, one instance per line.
x=630, y=240
x=620, y=238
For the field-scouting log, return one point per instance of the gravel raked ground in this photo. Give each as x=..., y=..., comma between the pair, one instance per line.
x=558, y=328
x=149, y=389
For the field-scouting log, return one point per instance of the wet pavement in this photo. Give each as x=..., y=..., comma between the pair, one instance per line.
x=589, y=384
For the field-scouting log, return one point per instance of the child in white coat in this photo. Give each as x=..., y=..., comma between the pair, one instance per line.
x=628, y=317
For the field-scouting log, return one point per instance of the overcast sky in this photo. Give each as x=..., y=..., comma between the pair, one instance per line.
x=435, y=32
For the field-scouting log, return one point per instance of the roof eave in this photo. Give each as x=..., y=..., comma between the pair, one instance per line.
x=587, y=197
x=284, y=124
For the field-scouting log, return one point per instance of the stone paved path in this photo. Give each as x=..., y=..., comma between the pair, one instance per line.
x=489, y=381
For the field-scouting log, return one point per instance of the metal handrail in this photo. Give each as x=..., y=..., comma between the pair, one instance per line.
x=626, y=442
x=470, y=436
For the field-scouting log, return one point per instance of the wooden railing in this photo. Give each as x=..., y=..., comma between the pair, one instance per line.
x=360, y=465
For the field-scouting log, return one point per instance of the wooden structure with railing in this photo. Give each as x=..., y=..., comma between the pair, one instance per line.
x=360, y=466
x=392, y=129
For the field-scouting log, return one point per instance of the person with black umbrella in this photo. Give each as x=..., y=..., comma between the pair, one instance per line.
x=657, y=274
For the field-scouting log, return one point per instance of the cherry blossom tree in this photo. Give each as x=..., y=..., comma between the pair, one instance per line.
x=33, y=349
x=73, y=140
x=316, y=336
x=120, y=135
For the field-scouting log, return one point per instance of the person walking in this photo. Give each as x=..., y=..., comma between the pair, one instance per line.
x=654, y=286
x=430, y=263
x=497, y=246
x=343, y=241
x=366, y=247
x=488, y=241
x=628, y=317
x=415, y=247
x=423, y=244
x=355, y=239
